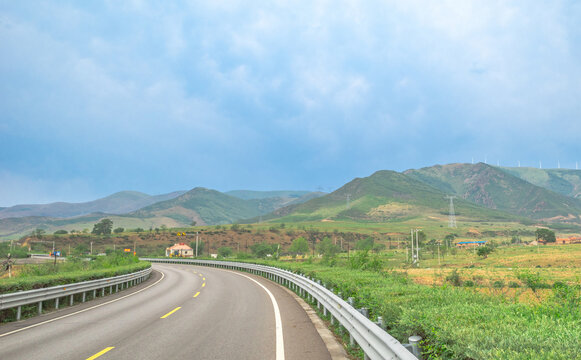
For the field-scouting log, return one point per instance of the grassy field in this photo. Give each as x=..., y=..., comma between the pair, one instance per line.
x=534, y=315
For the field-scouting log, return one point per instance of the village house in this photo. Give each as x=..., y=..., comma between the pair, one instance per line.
x=179, y=250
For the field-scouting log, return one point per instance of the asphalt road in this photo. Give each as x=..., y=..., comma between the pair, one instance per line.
x=181, y=312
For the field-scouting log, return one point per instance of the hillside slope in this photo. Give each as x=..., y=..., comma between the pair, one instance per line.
x=204, y=206
x=497, y=189
x=384, y=196
x=563, y=181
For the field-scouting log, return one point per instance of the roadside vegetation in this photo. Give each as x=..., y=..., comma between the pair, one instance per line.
x=74, y=269
x=457, y=321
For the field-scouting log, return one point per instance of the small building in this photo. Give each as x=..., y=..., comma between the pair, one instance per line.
x=462, y=244
x=179, y=250
x=569, y=240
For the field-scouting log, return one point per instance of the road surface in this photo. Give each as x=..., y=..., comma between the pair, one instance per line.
x=181, y=312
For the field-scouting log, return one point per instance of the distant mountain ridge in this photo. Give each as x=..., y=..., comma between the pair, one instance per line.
x=118, y=203
x=483, y=193
x=383, y=196
x=498, y=188
x=199, y=205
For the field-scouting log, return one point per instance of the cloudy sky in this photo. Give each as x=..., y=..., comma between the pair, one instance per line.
x=157, y=96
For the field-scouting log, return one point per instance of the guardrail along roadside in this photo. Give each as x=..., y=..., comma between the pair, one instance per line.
x=60, y=294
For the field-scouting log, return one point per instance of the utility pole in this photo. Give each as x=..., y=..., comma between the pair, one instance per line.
x=417, y=248
x=412, y=238
x=196, y=244
x=91, y=248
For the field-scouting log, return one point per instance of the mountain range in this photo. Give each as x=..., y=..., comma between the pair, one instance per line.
x=482, y=192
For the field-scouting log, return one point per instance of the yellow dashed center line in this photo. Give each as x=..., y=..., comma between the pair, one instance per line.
x=204, y=279
x=100, y=353
x=171, y=312
x=198, y=293
x=204, y=284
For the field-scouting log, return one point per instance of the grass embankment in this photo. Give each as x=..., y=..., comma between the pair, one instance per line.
x=72, y=271
x=460, y=323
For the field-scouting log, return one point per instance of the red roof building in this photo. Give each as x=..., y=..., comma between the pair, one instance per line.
x=179, y=250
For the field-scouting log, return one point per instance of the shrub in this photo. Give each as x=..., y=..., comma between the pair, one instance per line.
x=454, y=278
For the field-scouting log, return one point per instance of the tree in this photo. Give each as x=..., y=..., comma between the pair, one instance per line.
x=365, y=244
x=449, y=239
x=484, y=251
x=193, y=223
x=38, y=233
x=103, y=227
x=299, y=246
x=545, y=235
x=327, y=249
x=118, y=230
x=61, y=232
x=200, y=247
x=225, y=251
x=261, y=250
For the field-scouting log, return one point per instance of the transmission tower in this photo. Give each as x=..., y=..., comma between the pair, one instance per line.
x=452, y=215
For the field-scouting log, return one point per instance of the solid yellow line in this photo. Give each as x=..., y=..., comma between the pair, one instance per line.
x=204, y=279
x=171, y=312
x=198, y=293
x=101, y=353
x=204, y=284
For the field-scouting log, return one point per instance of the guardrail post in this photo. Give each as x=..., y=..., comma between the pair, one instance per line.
x=39, y=307
x=117, y=288
x=56, y=303
x=110, y=289
x=18, y=313
x=94, y=293
x=415, y=344
x=380, y=322
x=102, y=292
x=364, y=312
x=71, y=301
x=84, y=295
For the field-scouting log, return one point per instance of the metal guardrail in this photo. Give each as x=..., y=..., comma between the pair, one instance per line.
x=376, y=343
x=21, y=298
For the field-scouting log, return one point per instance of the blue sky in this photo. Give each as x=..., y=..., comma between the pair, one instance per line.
x=104, y=96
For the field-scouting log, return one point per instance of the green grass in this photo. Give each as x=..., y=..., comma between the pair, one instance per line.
x=458, y=323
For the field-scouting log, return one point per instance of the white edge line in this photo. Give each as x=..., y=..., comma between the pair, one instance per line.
x=277, y=319
x=80, y=311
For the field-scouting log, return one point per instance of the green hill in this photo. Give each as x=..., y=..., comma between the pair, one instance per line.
x=205, y=206
x=563, y=181
x=385, y=196
x=495, y=188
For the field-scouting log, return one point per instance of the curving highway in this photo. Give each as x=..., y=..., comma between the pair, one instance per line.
x=181, y=312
